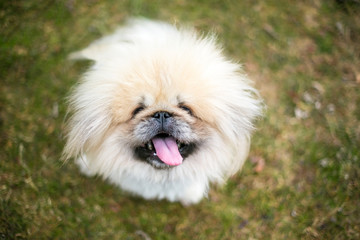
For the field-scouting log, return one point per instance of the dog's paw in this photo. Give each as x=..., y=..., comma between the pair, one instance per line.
x=194, y=194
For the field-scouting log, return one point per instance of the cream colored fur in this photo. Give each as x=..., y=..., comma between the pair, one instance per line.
x=160, y=64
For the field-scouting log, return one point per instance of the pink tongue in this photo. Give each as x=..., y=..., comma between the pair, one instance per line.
x=167, y=150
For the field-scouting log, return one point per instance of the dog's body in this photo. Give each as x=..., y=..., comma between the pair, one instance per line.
x=162, y=113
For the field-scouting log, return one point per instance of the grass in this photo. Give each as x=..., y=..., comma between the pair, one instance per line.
x=304, y=58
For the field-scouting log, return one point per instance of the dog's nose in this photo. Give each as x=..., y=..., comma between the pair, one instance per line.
x=161, y=115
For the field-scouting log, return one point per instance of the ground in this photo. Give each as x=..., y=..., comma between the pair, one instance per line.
x=302, y=177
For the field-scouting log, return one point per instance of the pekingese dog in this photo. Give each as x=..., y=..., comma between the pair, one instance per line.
x=162, y=113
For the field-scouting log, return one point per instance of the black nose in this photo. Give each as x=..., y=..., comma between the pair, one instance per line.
x=162, y=117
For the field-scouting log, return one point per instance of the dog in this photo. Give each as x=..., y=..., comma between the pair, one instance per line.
x=162, y=112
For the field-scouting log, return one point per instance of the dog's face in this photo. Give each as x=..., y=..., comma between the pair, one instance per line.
x=176, y=105
x=164, y=122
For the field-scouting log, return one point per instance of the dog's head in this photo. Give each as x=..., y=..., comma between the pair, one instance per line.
x=163, y=104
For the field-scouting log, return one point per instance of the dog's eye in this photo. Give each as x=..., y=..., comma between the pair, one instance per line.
x=137, y=110
x=186, y=108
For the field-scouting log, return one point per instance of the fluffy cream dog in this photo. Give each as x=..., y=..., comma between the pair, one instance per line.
x=162, y=113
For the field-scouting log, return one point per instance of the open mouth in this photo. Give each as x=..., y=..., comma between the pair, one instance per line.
x=164, y=151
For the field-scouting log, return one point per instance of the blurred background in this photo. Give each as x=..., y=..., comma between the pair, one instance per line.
x=302, y=177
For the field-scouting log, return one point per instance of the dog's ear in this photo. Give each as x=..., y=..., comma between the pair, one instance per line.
x=83, y=134
x=89, y=118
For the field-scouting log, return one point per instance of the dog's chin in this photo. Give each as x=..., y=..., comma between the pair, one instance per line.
x=147, y=153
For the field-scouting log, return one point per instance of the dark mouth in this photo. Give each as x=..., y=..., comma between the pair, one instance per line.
x=147, y=152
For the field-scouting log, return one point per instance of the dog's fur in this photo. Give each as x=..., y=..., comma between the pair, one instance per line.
x=148, y=67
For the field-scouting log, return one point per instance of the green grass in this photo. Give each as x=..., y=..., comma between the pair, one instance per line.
x=304, y=58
